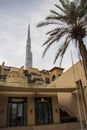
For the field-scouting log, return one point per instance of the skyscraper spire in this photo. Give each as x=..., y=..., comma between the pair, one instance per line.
x=28, y=51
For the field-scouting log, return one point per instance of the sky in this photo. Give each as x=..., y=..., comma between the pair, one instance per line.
x=15, y=16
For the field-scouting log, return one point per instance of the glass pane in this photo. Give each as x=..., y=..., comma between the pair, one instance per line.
x=36, y=112
x=14, y=114
x=40, y=113
x=50, y=112
x=45, y=112
x=25, y=113
x=20, y=114
x=9, y=114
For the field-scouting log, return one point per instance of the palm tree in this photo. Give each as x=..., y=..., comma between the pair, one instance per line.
x=71, y=23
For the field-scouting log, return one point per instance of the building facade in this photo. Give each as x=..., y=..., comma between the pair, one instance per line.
x=32, y=97
x=27, y=108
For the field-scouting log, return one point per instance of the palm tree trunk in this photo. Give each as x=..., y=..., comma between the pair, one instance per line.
x=83, y=52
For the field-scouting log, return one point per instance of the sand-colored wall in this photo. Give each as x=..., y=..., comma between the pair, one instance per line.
x=86, y=94
x=34, y=70
x=15, y=79
x=55, y=107
x=69, y=77
x=56, y=72
x=3, y=110
x=30, y=108
x=71, y=105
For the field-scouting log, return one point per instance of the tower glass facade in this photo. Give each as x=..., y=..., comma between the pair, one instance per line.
x=28, y=51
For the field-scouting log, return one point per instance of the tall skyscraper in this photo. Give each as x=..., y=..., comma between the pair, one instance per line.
x=28, y=51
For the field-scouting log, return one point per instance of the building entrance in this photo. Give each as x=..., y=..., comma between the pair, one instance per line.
x=43, y=110
x=16, y=112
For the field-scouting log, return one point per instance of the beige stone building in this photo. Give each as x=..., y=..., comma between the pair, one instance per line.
x=32, y=99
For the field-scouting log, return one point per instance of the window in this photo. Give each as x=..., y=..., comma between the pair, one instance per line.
x=4, y=76
x=47, y=80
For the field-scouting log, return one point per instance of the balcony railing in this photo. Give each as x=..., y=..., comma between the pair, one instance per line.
x=29, y=85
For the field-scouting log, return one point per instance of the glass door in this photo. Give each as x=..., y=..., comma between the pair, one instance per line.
x=16, y=112
x=43, y=111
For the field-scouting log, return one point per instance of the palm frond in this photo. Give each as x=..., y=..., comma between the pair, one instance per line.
x=47, y=41
x=61, y=18
x=62, y=49
x=68, y=2
x=48, y=46
x=63, y=10
x=50, y=42
x=59, y=29
x=46, y=23
x=58, y=53
x=54, y=12
x=82, y=8
x=65, y=46
x=56, y=29
x=65, y=4
x=73, y=6
x=61, y=34
x=83, y=2
x=56, y=37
